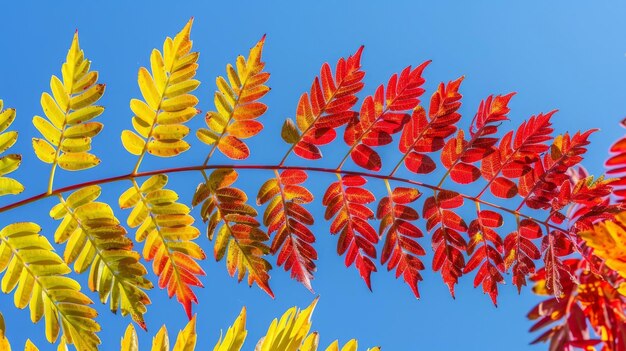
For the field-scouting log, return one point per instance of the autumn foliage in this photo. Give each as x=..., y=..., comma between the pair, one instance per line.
x=531, y=212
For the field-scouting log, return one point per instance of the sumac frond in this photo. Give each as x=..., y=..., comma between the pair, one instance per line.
x=159, y=119
x=67, y=131
x=166, y=227
x=327, y=107
x=346, y=203
x=95, y=239
x=38, y=276
x=237, y=106
x=382, y=115
x=240, y=238
x=289, y=220
x=401, y=250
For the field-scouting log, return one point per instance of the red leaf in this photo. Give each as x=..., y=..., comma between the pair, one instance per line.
x=365, y=157
x=503, y=188
x=307, y=150
x=403, y=195
x=419, y=163
x=233, y=148
x=464, y=173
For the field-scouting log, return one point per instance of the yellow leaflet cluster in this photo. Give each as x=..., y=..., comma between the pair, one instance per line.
x=159, y=119
x=8, y=163
x=608, y=241
x=289, y=333
x=37, y=275
x=237, y=106
x=166, y=227
x=240, y=237
x=28, y=346
x=67, y=130
x=96, y=239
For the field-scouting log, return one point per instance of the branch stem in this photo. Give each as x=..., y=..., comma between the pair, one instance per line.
x=200, y=168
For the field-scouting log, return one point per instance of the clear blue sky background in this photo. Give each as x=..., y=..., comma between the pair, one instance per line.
x=556, y=54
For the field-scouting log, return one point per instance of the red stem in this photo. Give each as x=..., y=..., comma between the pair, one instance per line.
x=259, y=167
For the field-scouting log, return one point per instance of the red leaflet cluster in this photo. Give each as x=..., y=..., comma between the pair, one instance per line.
x=616, y=165
x=541, y=186
x=588, y=314
x=285, y=216
x=447, y=240
x=458, y=154
x=485, y=249
x=521, y=251
x=382, y=115
x=328, y=107
x=346, y=201
x=515, y=155
x=422, y=135
x=401, y=251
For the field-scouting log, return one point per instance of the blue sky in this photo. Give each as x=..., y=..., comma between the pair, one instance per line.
x=566, y=55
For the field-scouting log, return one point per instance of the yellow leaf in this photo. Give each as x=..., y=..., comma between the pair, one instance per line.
x=50, y=132
x=52, y=111
x=167, y=148
x=175, y=117
x=60, y=94
x=77, y=161
x=206, y=136
x=30, y=346
x=6, y=117
x=186, y=340
x=170, y=132
x=352, y=345
x=334, y=346
x=148, y=89
x=608, y=241
x=62, y=345
x=84, y=114
x=129, y=198
x=7, y=140
x=85, y=82
x=44, y=150
x=142, y=111
x=132, y=142
x=75, y=145
x=89, y=129
x=87, y=98
x=4, y=342
x=161, y=342
x=289, y=132
x=153, y=183
x=9, y=163
x=311, y=342
x=83, y=196
x=235, y=335
x=179, y=102
x=130, y=341
x=181, y=88
x=158, y=70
